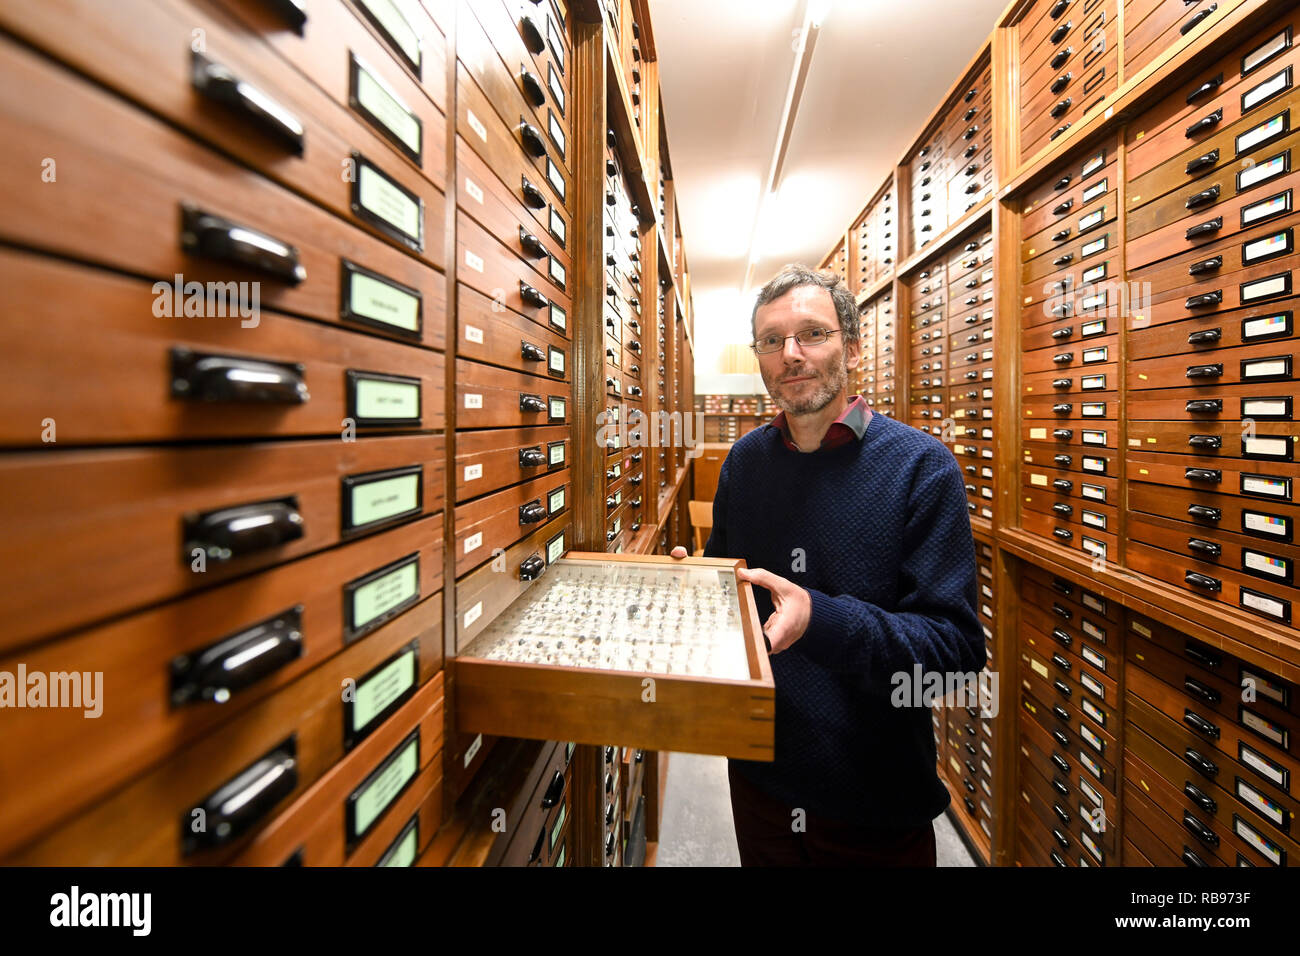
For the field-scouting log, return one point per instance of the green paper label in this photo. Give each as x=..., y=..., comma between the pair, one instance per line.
x=402, y=852
x=381, y=791
x=383, y=399
x=381, y=595
x=382, y=197
x=378, y=301
x=397, y=26
x=377, y=500
x=377, y=692
x=387, y=109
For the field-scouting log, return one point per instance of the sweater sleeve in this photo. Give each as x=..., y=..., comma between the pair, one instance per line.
x=935, y=624
x=716, y=546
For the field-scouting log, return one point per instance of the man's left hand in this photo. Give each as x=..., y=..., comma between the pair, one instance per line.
x=793, y=607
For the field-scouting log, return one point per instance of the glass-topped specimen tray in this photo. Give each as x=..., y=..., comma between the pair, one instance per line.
x=644, y=650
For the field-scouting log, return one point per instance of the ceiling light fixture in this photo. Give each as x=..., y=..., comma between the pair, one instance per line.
x=814, y=14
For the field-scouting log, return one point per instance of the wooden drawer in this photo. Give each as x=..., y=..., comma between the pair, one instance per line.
x=495, y=335
x=1267, y=526
x=488, y=396
x=1097, y=68
x=1227, y=271
x=280, y=747
x=1211, y=582
x=1070, y=534
x=1098, y=773
x=1070, y=593
x=1161, y=130
x=1155, y=847
x=1077, y=359
x=501, y=147
x=302, y=147
x=1078, y=330
x=1067, y=431
x=1250, y=136
x=1090, y=462
x=1097, y=382
x=1082, y=741
x=1181, y=830
x=1071, y=815
x=312, y=608
x=1272, y=563
x=1267, y=365
x=52, y=116
x=1073, y=44
x=1059, y=297
x=1268, y=485
x=491, y=459
x=556, y=50
x=139, y=377
x=498, y=520
x=1165, y=28
x=1203, y=336
x=327, y=825
x=527, y=842
x=738, y=711
x=135, y=525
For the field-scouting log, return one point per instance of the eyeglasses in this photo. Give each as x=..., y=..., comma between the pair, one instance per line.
x=805, y=337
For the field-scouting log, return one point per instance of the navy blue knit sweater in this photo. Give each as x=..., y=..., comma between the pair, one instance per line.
x=877, y=531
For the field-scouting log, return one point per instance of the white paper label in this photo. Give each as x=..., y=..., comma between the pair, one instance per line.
x=1036, y=433
x=1093, y=437
x=473, y=190
x=1265, y=727
x=1262, y=408
x=473, y=472
x=1091, y=793
x=1040, y=480
x=1274, y=245
x=473, y=542
x=1264, y=523
x=1270, y=87
x=476, y=125
x=1260, y=485
x=1266, y=447
x=1247, y=833
x=473, y=749
x=474, y=334
x=1095, y=520
x=1265, y=52
x=1092, y=684
x=1265, y=209
x=1092, y=382
x=1262, y=172
x=1094, y=409
x=1094, y=768
x=473, y=614
x=1092, y=165
x=1094, y=464
x=1095, y=190
x=557, y=361
x=473, y=400
x=1266, y=564
x=1258, y=328
x=1264, y=131
x=1092, y=219
x=1095, y=273
x=473, y=261
x=1263, y=603
x=1095, y=355
x=1092, y=248
x=1264, y=368
x=1095, y=492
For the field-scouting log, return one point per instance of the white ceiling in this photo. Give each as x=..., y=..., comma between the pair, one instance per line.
x=878, y=70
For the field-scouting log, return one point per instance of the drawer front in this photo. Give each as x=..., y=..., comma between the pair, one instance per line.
x=141, y=377
x=1264, y=599
x=1210, y=404
x=488, y=396
x=305, y=275
x=502, y=275
x=488, y=460
x=498, y=336
x=1267, y=365
x=1055, y=211
x=173, y=813
x=152, y=524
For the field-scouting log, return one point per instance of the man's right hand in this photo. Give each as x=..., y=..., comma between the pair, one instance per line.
x=678, y=552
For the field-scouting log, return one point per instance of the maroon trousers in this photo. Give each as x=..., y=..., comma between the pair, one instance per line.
x=767, y=835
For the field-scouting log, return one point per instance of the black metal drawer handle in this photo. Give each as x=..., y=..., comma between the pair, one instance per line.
x=1205, y=228
x=1059, y=59
x=1204, y=405
x=1063, y=461
x=530, y=352
x=1204, y=123
x=1214, y=370
x=531, y=139
x=1064, y=434
x=215, y=237
x=1212, y=442
x=1195, y=21
x=1191, y=859
x=530, y=569
x=531, y=296
x=1060, y=788
x=1057, y=111
x=1206, y=336
x=234, y=807
x=1063, y=260
x=1202, y=162
x=1061, y=82
x=532, y=34
x=1205, y=89
x=531, y=403
x=1063, y=509
x=226, y=378
x=219, y=83
x=229, y=533
x=1211, y=475
x=1063, y=358
x=1059, y=130
x=1204, y=658
x=531, y=244
x=1206, y=766
x=1204, y=547
x=1062, y=382
x=1063, y=408
x=1060, y=33
x=1200, y=797
x=1205, y=693
x=533, y=89
x=1204, y=197
x=531, y=457
x=533, y=197
x=1063, y=533
x=1205, y=299
x=1205, y=512
x=1063, y=333
x=238, y=661
x=1203, y=581
x=1061, y=762
x=532, y=512
x=1199, y=723
x=1200, y=830
x=554, y=792
x=1063, y=484
x=1213, y=264
x=1062, y=235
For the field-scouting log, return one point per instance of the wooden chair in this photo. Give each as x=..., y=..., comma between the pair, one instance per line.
x=702, y=522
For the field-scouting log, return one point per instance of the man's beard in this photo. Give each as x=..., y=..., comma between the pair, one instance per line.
x=819, y=399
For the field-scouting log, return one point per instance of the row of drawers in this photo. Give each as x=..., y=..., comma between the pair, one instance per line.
x=873, y=242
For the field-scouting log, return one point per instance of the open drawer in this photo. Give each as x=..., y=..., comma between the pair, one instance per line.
x=650, y=651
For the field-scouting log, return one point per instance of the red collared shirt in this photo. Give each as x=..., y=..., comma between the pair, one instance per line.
x=850, y=426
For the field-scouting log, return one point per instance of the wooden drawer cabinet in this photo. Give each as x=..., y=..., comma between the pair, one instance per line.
x=497, y=520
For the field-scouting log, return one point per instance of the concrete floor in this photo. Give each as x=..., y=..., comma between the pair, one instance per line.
x=697, y=831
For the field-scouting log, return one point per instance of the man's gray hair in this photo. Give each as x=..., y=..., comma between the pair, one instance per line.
x=793, y=276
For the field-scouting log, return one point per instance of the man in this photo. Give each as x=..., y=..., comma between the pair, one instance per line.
x=856, y=534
